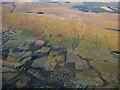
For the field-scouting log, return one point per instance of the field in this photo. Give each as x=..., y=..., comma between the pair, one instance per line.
x=66, y=45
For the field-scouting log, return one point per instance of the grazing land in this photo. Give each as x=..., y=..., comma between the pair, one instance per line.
x=60, y=45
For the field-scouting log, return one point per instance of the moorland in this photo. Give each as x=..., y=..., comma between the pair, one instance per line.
x=68, y=45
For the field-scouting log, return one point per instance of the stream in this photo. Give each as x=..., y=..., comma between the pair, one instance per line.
x=13, y=8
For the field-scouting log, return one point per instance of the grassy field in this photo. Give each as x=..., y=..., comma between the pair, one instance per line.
x=86, y=31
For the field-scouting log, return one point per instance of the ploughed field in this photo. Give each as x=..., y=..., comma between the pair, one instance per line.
x=59, y=45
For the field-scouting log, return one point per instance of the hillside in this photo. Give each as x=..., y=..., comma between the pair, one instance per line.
x=56, y=45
